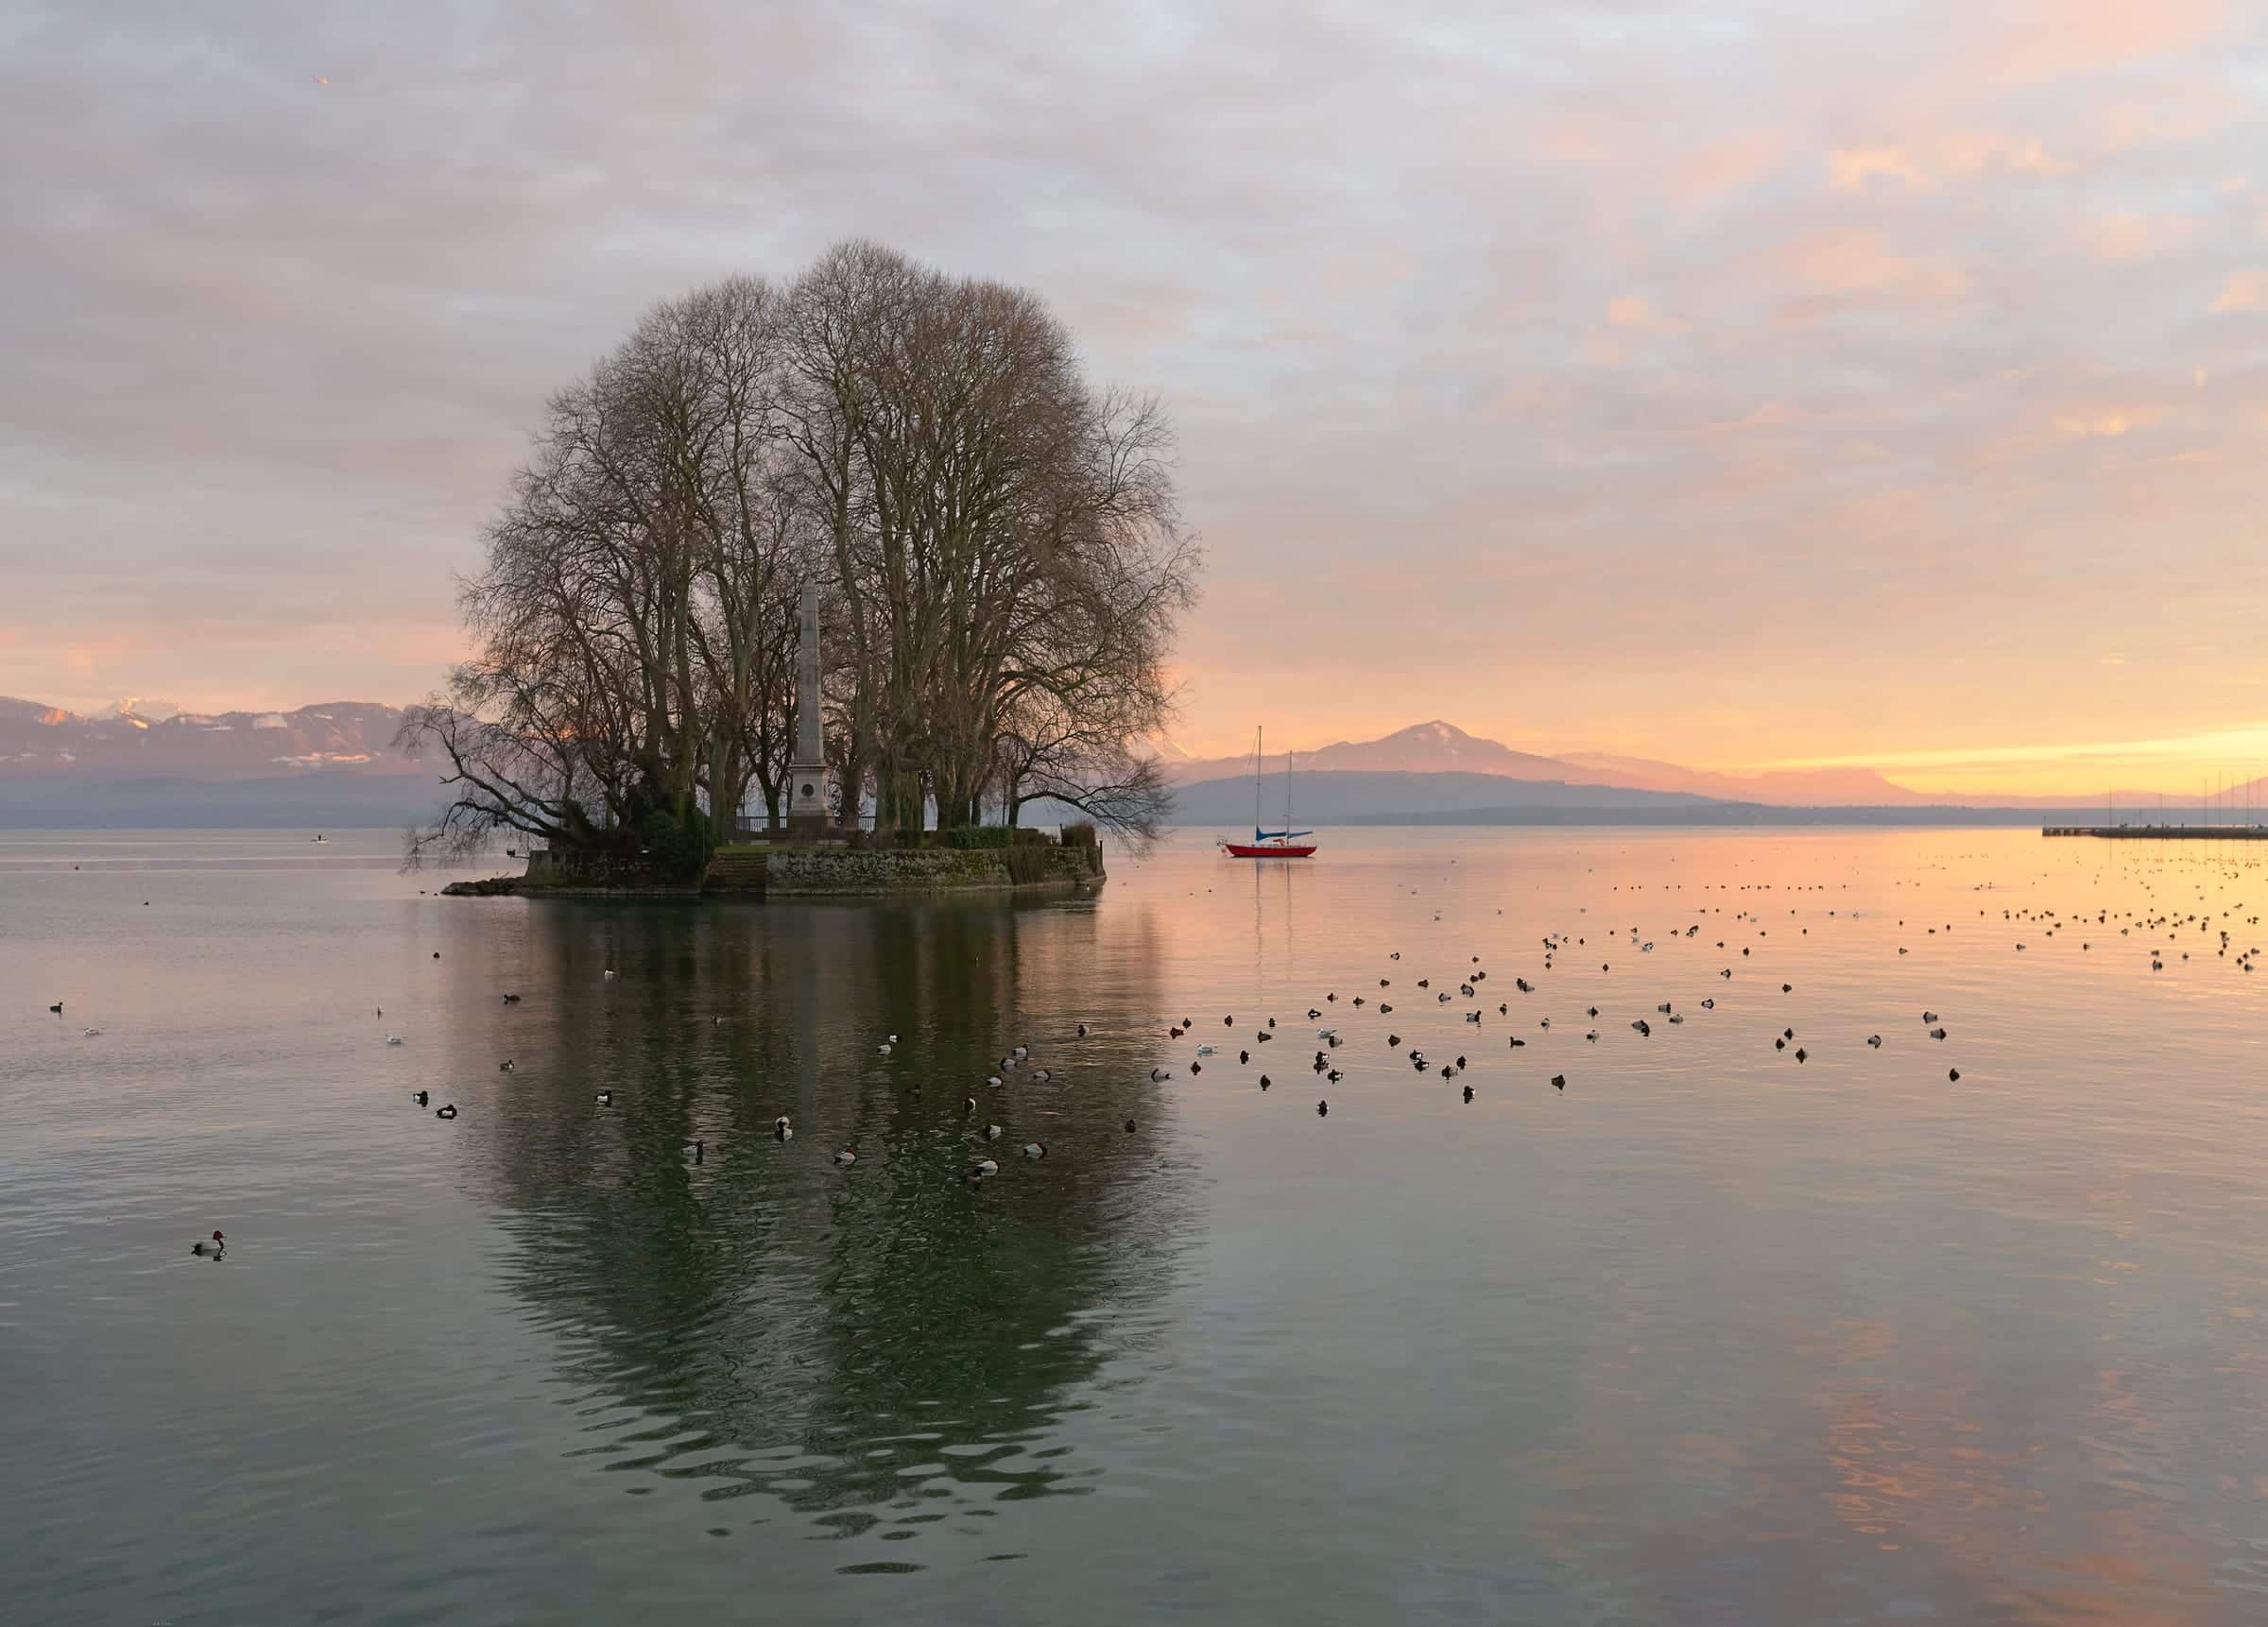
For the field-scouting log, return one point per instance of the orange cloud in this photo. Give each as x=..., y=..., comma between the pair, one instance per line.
x=2245, y=291
x=2057, y=39
x=1634, y=311
x=2130, y=236
x=2113, y=424
x=1848, y=169
x=1855, y=268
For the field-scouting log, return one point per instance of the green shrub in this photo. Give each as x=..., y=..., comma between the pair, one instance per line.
x=678, y=848
x=1028, y=836
x=1026, y=862
x=1081, y=833
x=971, y=836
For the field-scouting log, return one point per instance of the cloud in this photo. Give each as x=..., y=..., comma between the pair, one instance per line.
x=2111, y=423
x=1937, y=159
x=1844, y=269
x=2243, y=291
x=1848, y=169
x=1667, y=331
x=2135, y=235
x=1636, y=313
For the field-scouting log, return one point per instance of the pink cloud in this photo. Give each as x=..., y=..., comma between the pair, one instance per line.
x=2245, y=291
x=1848, y=169
x=2062, y=38
x=1850, y=268
x=2136, y=236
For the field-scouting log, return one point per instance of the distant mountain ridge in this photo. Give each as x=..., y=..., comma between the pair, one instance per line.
x=142, y=737
x=144, y=756
x=1442, y=748
x=1439, y=747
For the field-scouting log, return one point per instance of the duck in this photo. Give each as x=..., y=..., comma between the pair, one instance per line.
x=90, y=1033
x=209, y=1245
x=968, y=1106
x=1954, y=1074
x=1558, y=1081
x=1041, y=1075
x=609, y=975
x=993, y=1081
x=845, y=1158
x=1265, y=1081
x=504, y=1066
x=1129, y=1126
x=57, y=1008
x=1019, y=1053
x=1323, y=1109
x=1875, y=1040
x=1468, y=1092
x=883, y=1049
x=1082, y=1031
x=1205, y=1051
x=984, y=1169
x=699, y=1151
x=448, y=1112
x=605, y=1098
x=423, y=1098
x=393, y=1040
x=1159, y=1075
x=511, y=999
x=1937, y=1034
x=992, y=1132
x=1034, y=1148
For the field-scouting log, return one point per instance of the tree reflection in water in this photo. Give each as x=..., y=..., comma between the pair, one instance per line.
x=887, y=1341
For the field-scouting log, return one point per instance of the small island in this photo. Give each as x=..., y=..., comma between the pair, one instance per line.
x=825, y=587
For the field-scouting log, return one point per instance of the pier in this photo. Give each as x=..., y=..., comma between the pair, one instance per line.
x=2164, y=833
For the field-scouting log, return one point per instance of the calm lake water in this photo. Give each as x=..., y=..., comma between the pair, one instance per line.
x=1712, y=1336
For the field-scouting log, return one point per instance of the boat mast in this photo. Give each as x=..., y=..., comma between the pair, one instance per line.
x=1257, y=735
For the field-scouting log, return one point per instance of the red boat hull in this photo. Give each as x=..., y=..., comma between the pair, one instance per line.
x=1266, y=850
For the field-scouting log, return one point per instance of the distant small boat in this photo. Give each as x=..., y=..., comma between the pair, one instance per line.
x=1283, y=844
x=322, y=838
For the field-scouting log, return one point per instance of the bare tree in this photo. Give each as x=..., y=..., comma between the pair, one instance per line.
x=997, y=542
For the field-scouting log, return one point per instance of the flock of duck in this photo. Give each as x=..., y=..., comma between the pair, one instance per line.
x=1338, y=1017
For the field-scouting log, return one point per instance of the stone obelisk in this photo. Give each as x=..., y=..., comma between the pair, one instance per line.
x=807, y=770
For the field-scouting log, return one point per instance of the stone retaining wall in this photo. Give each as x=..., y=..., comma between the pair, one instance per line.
x=808, y=872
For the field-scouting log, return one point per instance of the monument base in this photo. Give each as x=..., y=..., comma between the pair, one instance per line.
x=807, y=814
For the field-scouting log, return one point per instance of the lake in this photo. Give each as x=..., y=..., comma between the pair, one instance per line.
x=1710, y=1335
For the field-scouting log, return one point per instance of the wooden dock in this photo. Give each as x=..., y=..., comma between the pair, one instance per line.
x=2163, y=832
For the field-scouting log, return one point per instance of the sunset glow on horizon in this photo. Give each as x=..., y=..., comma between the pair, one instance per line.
x=1747, y=388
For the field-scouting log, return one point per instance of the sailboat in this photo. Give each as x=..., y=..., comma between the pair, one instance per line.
x=1283, y=844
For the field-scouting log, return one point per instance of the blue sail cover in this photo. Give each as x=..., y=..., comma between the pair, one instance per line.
x=1260, y=835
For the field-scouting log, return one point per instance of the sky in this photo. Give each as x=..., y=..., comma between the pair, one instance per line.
x=1742, y=385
